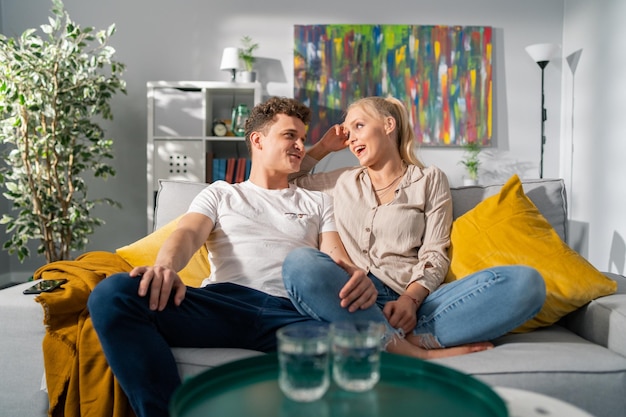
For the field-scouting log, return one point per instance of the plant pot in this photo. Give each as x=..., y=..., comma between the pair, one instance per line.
x=246, y=76
x=469, y=181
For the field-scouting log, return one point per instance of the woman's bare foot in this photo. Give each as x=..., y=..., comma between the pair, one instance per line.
x=458, y=350
x=404, y=347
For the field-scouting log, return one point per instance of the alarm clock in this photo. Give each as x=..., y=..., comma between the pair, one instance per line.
x=219, y=128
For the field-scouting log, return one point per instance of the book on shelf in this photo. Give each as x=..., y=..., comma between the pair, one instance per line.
x=232, y=170
x=240, y=175
x=219, y=169
x=208, y=163
x=248, y=166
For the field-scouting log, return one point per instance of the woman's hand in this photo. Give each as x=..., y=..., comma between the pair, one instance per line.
x=401, y=314
x=335, y=139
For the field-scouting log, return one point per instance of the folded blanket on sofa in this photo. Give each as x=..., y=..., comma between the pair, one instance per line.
x=79, y=380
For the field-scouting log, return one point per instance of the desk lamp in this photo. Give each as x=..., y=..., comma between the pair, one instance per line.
x=230, y=61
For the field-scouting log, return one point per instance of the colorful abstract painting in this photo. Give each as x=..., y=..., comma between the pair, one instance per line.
x=443, y=74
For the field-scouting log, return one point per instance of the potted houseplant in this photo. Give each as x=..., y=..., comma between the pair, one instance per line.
x=53, y=89
x=471, y=162
x=246, y=54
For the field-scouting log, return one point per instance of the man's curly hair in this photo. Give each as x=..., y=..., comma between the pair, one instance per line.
x=263, y=114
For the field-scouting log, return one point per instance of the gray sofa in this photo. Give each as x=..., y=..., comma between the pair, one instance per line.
x=581, y=359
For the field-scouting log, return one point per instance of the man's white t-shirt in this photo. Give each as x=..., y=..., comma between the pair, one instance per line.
x=255, y=228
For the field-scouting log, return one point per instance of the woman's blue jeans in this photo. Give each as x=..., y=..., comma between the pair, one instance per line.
x=136, y=341
x=479, y=307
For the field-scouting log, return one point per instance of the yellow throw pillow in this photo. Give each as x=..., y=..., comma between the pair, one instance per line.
x=144, y=251
x=508, y=229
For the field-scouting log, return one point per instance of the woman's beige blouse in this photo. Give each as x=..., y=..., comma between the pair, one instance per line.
x=401, y=242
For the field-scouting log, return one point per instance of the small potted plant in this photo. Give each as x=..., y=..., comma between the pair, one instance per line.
x=471, y=162
x=246, y=54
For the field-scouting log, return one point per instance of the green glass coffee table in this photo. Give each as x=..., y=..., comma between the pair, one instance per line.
x=408, y=387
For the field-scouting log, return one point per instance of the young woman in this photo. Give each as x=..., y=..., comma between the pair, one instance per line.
x=394, y=217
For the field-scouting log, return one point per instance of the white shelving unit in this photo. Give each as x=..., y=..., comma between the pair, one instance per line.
x=180, y=124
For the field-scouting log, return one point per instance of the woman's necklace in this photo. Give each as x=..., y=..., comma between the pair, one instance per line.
x=390, y=184
x=385, y=190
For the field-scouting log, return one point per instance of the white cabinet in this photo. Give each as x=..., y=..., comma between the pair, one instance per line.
x=180, y=142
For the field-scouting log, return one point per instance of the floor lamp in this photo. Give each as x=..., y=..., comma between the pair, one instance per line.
x=542, y=53
x=572, y=61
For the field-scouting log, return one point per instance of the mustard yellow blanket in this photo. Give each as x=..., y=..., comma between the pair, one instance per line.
x=80, y=382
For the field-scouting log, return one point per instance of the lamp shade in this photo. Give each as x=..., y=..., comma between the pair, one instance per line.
x=230, y=59
x=542, y=52
x=572, y=60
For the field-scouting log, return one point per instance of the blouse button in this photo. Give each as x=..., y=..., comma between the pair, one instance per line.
x=367, y=229
x=364, y=251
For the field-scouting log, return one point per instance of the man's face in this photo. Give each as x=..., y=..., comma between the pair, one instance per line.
x=281, y=147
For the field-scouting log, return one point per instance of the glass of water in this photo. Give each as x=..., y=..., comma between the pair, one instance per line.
x=303, y=357
x=356, y=350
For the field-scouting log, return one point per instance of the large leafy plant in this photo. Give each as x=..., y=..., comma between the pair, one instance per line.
x=54, y=88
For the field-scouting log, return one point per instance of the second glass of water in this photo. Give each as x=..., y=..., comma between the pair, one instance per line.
x=356, y=350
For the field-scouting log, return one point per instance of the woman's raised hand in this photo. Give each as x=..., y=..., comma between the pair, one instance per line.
x=335, y=139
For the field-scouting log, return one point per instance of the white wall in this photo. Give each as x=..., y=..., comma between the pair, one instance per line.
x=164, y=40
x=595, y=169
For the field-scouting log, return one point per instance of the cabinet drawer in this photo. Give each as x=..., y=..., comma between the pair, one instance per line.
x=178, y=160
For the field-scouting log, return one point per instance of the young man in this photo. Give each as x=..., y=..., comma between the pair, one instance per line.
x=249, y=228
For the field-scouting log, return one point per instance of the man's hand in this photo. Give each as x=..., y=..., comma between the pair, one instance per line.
x=159, y=282
x=359, y=292
x=401, y=313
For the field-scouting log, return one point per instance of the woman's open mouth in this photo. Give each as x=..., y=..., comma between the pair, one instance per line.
x=357, y=150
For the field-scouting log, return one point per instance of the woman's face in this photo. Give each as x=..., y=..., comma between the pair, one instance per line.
x=368, y=135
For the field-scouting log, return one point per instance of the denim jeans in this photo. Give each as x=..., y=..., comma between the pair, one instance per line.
x=479, y=307
x=136, y=341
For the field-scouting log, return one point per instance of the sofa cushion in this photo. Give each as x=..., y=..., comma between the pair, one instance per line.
x=192, y=361
x=144, y=252
x=555, y=362
x=548, y=195
x=508, y=229
x=173, y=199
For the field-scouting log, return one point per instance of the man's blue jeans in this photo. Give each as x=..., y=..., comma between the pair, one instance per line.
x=479, y=307
x=136, y=341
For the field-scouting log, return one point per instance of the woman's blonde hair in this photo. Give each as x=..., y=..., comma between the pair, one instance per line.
x=392, y=107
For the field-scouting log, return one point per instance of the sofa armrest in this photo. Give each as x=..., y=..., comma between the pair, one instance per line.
x=603, y=320
x=21, y=357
